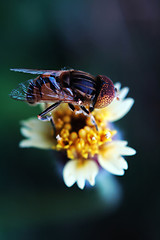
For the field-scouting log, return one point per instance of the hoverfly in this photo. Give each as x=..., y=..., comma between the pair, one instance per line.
x=74, y=87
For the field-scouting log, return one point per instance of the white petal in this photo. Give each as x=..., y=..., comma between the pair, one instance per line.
x=26, y=132
x=110, y=156
x=78, y=171
x=118, y=109
x=117, y=85
x=31, y=122
x=91, y=180
x=123, y=93
x=81, y=183
x=111, y=167
x=26, y=143
x=36, y=125
x=123, y=163
x=117, y=144
x=120, y=147
x=119, y=163
x=112, y=149
x=37, y=144
x=39, y=134
x=127, y=151
x=69, y=181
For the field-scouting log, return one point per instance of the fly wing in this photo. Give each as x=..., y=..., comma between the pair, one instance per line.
x=34, y=71
x=23, y=91
x=40, y=90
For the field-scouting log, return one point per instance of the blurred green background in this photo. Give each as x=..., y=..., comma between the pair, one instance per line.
x=119, y=39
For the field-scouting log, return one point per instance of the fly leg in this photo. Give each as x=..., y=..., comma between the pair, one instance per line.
x=92, y=118
x=47, y=110
x=42, y=116
x=71, y=106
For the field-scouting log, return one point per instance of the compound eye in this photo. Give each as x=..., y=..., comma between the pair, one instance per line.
x=107, y=92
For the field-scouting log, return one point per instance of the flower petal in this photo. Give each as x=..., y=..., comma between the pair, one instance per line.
x=110, y=156
x=111, y=167
x=123, y=93
x=79, y=171
x=70, y=181
x=117, y=85
x=119, y=108
x=127, y=151
x=26, y=132
x=81, y=183
x=37, y=125
x=39, y=134
x=123, y=163
x=120, y=163
x=26, y=143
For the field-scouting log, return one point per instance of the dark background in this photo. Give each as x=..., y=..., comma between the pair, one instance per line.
x=119, y=39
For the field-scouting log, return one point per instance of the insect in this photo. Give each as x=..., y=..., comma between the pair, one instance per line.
x=74, y=87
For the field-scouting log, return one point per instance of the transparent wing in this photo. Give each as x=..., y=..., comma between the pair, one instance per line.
x=33, y=71
x=23, y=91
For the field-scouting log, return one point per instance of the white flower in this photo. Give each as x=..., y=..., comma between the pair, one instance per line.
x=79, y=171
x=39, y=134
x=110, y=156
x=87, y=149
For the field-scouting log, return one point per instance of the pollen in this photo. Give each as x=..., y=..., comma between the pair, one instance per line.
x=73, y=136
x=82, y=133
x=64, y=133
x=68, y=126
x=77, y=135
x=67, y=119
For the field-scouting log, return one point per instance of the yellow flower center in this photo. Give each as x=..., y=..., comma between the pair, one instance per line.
x=76, y=134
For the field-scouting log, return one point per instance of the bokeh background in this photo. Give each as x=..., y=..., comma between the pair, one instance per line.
x=119, y=39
